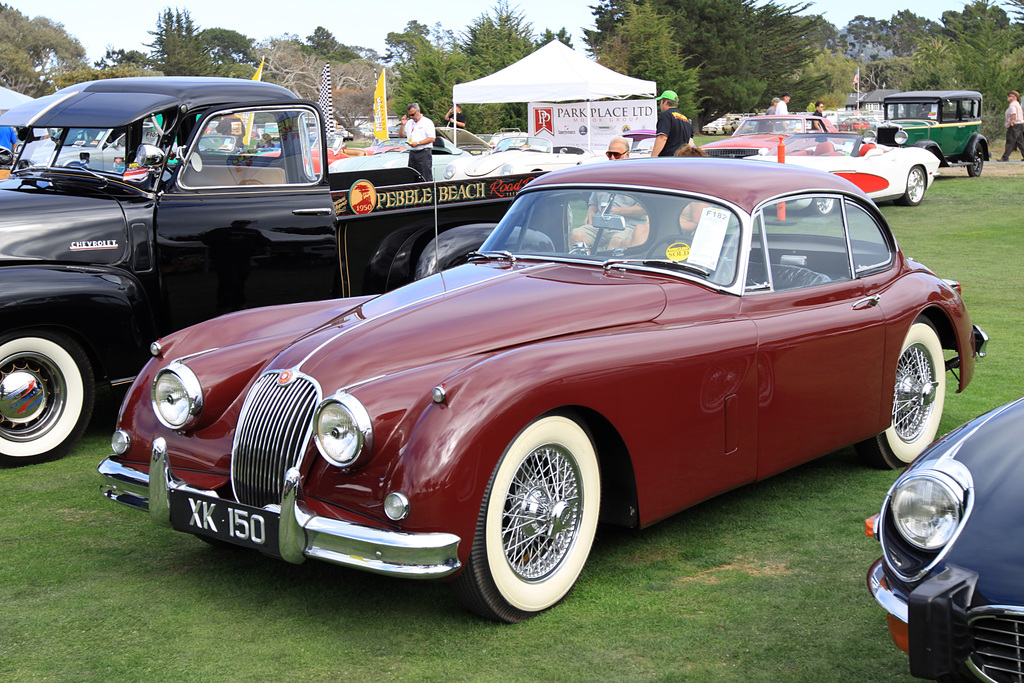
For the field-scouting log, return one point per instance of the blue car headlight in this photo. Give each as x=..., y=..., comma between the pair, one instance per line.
x=927, y=510
x=342, y=430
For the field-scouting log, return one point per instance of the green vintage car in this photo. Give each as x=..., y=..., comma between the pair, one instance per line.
x=947, y=123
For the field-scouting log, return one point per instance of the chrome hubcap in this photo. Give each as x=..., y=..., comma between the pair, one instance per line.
x=915, y=393
x=541, y=516
x=32, y=396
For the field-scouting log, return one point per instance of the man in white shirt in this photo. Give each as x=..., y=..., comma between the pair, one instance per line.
x=420, y=132
x=782, y=108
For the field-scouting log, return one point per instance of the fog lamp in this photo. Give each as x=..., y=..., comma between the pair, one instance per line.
x=396, y=506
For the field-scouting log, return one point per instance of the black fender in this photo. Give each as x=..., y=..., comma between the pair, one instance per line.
x=933, y=147
x=977, y=141
x=105, y=309
x=451, y=248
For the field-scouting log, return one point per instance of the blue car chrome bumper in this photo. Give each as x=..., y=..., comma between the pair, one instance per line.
x=301, y=534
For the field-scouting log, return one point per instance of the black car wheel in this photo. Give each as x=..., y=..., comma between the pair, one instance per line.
x=977, y=164
x=536, y=524
x=46, y=396
x=918, y=397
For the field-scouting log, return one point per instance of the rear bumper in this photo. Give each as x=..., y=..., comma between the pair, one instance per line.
x=302, y=534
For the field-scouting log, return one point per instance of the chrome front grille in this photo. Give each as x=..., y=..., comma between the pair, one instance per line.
x=730, y=153
x=999, y=647
x=273, y=431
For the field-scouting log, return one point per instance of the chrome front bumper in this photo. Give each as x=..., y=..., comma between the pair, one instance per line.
x=302, y=533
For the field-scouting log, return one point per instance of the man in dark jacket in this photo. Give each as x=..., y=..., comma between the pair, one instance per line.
x=674, y=130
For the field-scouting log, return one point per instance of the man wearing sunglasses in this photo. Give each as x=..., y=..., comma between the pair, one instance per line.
x=604, y=204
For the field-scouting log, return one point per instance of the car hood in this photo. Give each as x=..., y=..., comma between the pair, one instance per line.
x=468, y=311
x=991, y=541
x=60, y=220
x=489, y=163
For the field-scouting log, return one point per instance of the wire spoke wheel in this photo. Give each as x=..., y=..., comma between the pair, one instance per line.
x=536, y=524
x=919, y=394
x=541, y=518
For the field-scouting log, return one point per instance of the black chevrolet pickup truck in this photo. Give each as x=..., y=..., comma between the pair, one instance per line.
x=139, y=206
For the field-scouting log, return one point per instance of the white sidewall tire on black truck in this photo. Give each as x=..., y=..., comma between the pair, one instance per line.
x=42, y=422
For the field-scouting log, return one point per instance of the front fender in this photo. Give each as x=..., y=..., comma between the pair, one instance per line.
x=106, y=309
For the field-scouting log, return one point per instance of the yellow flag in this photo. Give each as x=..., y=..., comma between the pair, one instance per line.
x=248, y=117
x=380, y=109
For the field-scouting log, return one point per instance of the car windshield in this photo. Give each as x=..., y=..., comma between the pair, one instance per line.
x=821, y=145
x=524, y=143
x=677, y=233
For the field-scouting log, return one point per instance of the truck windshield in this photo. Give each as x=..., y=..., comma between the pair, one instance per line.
x=97, y=149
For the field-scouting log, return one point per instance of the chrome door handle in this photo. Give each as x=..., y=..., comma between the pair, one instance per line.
x=312, y=212
x=867, y=302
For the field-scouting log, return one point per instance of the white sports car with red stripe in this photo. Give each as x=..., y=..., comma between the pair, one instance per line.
x=900, y=174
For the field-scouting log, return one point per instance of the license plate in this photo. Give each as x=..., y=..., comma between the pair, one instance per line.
x=228, y=521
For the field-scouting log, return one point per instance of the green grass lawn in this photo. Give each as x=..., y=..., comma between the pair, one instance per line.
x=763, y=584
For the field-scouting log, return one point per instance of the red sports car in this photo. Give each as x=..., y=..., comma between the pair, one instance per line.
x=764, y=132
x=633, y=338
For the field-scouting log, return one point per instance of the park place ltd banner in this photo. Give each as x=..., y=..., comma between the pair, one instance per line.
x=568, y=123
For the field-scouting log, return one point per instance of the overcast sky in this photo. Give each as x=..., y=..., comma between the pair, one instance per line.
x=124, y=24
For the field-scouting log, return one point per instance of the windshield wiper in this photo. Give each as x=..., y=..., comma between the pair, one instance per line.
x=680, y=265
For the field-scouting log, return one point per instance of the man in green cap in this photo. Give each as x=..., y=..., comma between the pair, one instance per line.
x=674, y=130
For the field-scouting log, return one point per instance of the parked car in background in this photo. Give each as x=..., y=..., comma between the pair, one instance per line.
x=952, y=543
x=521, y=154
x=723, y=125
x=763, y=132
x=641, y=142
x=947, y=123
x=463, y=139
x=884, y=173
x=479, y=423
x=394, y=153
x=857, y=123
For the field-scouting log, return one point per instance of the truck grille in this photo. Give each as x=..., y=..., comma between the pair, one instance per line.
x=999, y=647
x=273, y=431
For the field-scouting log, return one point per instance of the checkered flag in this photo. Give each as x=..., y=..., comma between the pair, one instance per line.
x=326, y=99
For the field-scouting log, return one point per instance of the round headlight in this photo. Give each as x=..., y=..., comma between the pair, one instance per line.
x=926, y=512
x=120, y=442
x=869, y=135
x=177, y=397
x=449, y=171
x=901, y=137
x=342, y=429
x=506, y=169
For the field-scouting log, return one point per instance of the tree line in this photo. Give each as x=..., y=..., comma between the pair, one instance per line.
x=719, y=55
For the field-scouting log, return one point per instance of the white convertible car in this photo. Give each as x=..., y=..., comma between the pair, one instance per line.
x=523, y=154
x=900, y=174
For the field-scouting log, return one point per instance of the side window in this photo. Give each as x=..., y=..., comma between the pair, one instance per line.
x=870, y=250
x=757, y=269
x=807, y=243
x=949, y=111
x=255, y=147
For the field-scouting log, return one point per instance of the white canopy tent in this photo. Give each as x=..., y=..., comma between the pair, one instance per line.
x=554, y=73
x=10, y=99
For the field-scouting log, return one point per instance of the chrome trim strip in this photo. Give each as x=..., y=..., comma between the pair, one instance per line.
x=302, y=534
x=889, y=601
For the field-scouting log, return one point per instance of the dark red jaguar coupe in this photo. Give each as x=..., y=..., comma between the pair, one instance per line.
x=633, y=338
